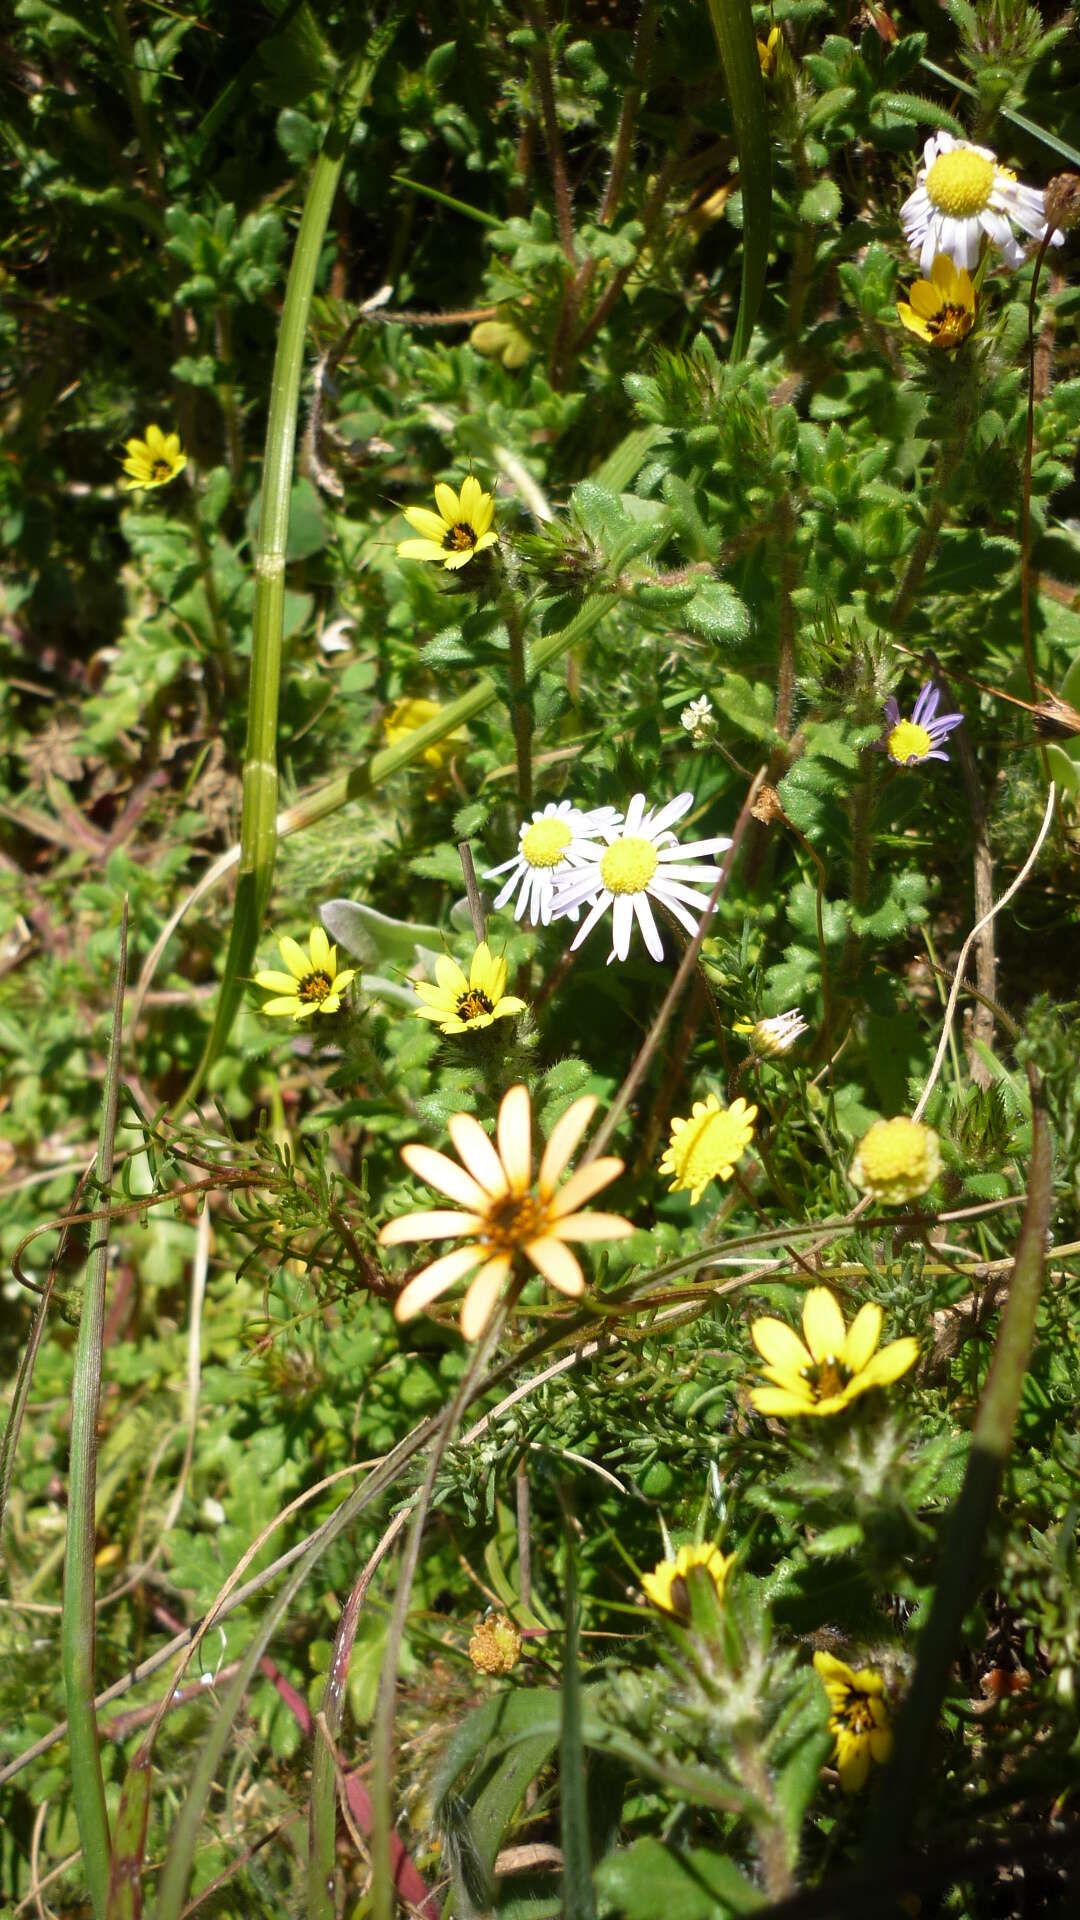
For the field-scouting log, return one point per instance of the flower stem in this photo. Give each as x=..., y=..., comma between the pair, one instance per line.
x=258, y=820
x=1025, y=511
x=520, y=711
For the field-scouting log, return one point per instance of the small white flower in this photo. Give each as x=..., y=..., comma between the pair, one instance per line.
x=551, y=845
x=961, y=193
x=775, y=1034
x=642, y=858
x=698, y=720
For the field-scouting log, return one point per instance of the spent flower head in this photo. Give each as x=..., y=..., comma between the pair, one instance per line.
x=708, y=1145
x=311, y=985
x=495, y=1644
x=859, y=1718
x=832, y=1365
x=152, y=462
x=642, y=861
x=461, y=1004
x=963, y=195
x=773, y=1035
x=506, y=1219
x=557, y=840
x=459, y=530
x=909, y=742
x=666, y=1586
x=941, y=310
x=896, y=1161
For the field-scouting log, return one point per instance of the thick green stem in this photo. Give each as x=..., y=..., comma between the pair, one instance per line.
x=258, y=819
x=734, y=29
x=893, y=1811
x=77, y=1624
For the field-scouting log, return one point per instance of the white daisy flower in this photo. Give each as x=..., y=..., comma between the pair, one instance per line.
x=643, y=858
x=961, y=193
x=550, y=846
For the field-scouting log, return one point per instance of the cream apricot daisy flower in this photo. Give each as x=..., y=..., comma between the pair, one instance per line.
x=708, y=1145
x=961, y=195
x=506, y=1217
x=642, y=861
x=460, y=529
x=463, y=1005
x=558, y=839
x=152, y=462
x=312, y=984
x=835, y=1364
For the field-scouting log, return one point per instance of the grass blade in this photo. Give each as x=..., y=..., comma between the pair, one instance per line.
x=579, y=1902
x=735, y=37
x=77, y=1623
x=258, y=819
x=893, y=1810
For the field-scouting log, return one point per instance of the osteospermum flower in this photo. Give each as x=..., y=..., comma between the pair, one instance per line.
x=896, y=1161
x=707, y=1145
x=961, y=194
x=642, y=861
x=777, y=1033
x=460, y=529
x=858, y=1718
x=909, y=742
x=666, y=1586
x=834, y=1366
x=505, y=1218
x=152, y=462
x=940, y=310
x=556, y=841
x=312, y=983
x=461, y=1005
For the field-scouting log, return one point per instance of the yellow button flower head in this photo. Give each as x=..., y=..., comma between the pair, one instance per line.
x=708, y=1145
x=666, y=1585
x=404, y=717
x=896, y=1161
x=859, y=1719
x=152, y=462
x=940, y=310
x=461, y=1005
x=835, y=1366
x=460, y=529
x=505, y=1217
x=312, y=984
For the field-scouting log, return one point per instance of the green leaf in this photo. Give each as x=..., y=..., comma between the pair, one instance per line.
x=820, y=204
x=648, y=1879
x=718, y=614
x=377, y=940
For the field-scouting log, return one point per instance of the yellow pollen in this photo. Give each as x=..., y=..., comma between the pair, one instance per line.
x=545, y=842
x=629, y=864
x=513, y=1221
x=959, y=183
x=314, y=986
x=947, y=328
x=907, y=741
x=458, y=539
x=160, y=470
x=473, y=1003
x=827, y=1377
x=856, y=1714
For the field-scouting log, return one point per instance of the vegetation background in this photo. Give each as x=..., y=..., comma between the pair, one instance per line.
x=539, y=261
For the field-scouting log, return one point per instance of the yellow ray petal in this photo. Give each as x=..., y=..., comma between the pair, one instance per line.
x=477, y=1153
x=562, y=1141
x=319, y=949
x=445, y=1176
x=583, y=1184
x=862, y=1337
x=515, y=1137
x=440, y=1223
x=427, y=523
x=591, y=1226
x=778, y=1402
x=888, y=1365
x=823, y=1324
x=479, y=1302
x=558, y=1265
x=448, y=504
x=780, y=1345
x=426, y=1286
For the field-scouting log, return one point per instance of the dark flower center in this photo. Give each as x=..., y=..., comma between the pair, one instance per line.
x=949, y=325
x=460, y=538
x=472, y=1004
x=856, y=1714
x=827, y=1377
x=160, y=470
x=513, y=1220
x=314, y=986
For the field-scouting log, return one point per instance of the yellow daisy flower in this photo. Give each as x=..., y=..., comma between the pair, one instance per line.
x=460, y=529
x=707, y=1145
x=404, y=717
x=835, y=1366
x=940, y=310
x=859, y=1719
x=463, y=1005
x=896, y=1161
x=152, y=462
x=312, y=983
x=504, y=1217
x=666, y=1585
x=767, y=51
